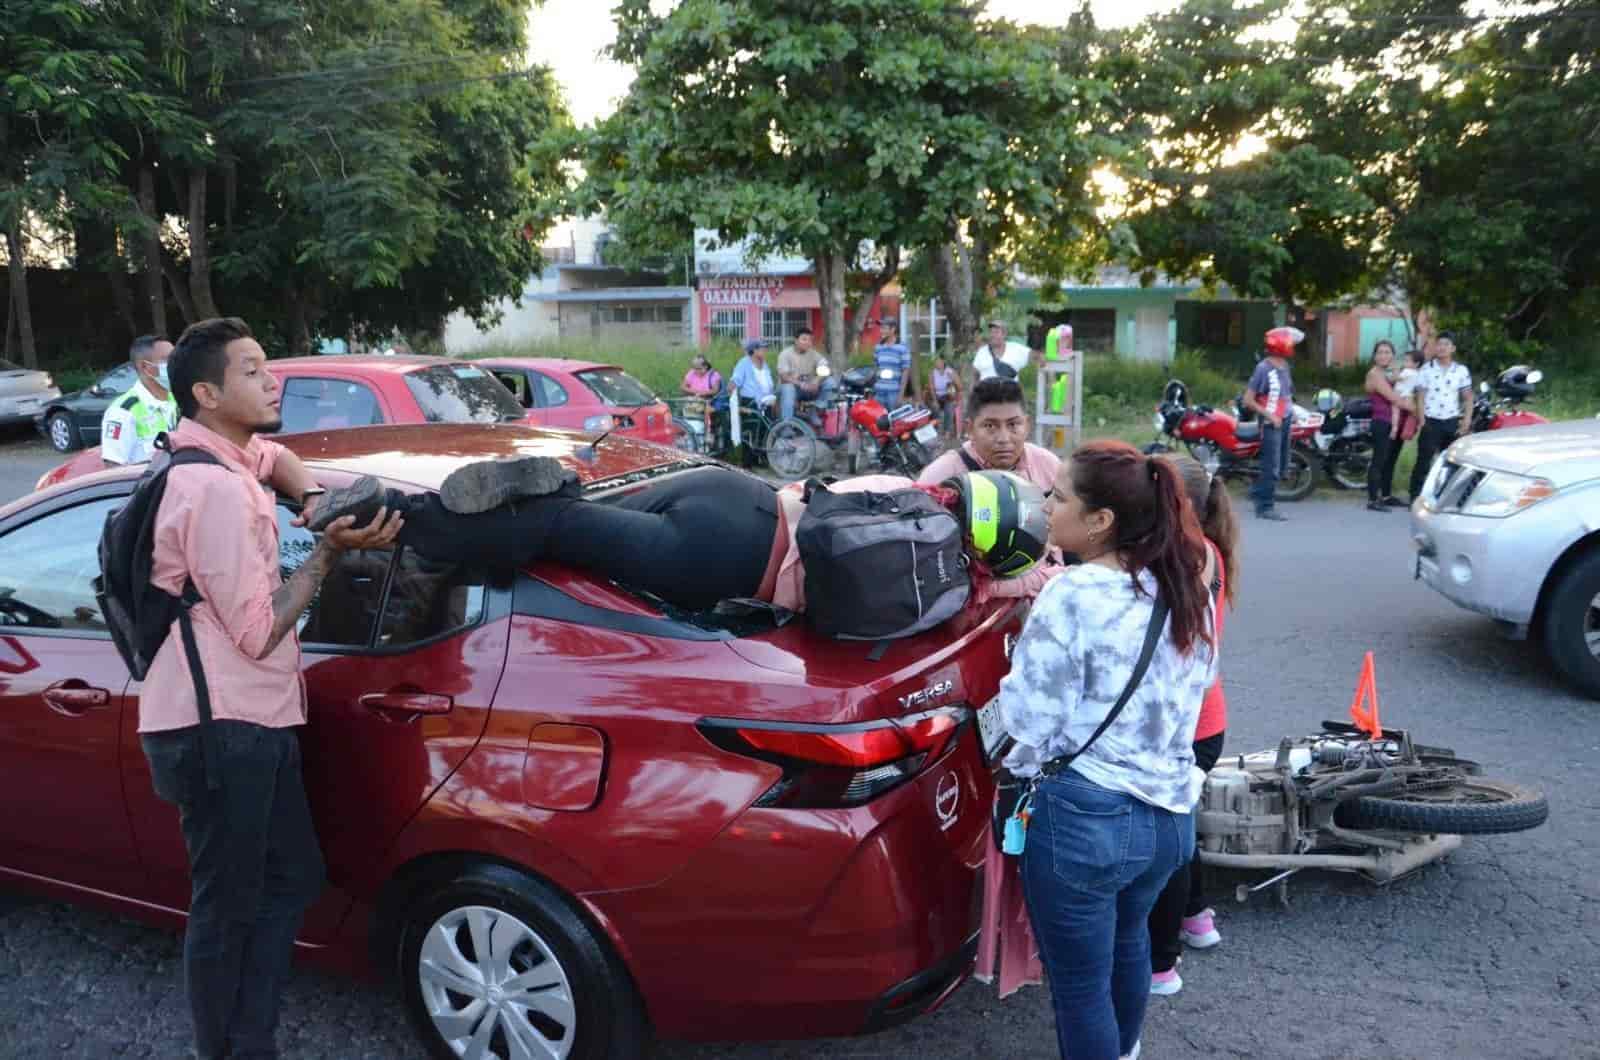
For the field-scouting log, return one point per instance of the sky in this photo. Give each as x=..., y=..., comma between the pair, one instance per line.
x=568, y=36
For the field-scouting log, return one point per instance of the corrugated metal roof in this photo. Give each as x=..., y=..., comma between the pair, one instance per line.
x=615, y=294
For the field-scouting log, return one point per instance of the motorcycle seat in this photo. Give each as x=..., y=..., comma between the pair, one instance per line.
x=1248, y=432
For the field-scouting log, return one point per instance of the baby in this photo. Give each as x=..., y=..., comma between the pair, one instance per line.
x=1404, y=422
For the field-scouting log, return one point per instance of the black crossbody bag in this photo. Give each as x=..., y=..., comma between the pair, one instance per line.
x=1010, y=790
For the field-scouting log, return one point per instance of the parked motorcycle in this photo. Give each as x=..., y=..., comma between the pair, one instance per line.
x=1511, y=388
x=1344, y=440
x=1342, y=799
x=856, y=423
x=1229, y=446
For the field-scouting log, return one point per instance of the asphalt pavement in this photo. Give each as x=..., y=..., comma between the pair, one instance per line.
x=1489, y=953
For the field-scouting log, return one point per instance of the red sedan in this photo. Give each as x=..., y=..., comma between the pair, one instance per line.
x=584, y=396
x=359, y=390
x=563, y=817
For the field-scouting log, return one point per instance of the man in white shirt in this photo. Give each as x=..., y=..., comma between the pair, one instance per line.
x=999, y=357
x=1443, y=398
x=129, y=427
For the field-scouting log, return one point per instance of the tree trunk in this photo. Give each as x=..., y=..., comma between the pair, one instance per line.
x=199, y=247
x=297, y=321
x=875, y=285
x=20, y=310
x=952, y=276
x=830, y=269
x=96, y=241
x=155, y=297
x=180, y=290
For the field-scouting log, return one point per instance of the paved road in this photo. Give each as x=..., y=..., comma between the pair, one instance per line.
x=24, y=456
x=1490, y=954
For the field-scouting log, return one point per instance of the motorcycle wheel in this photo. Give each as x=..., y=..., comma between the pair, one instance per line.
x=1299, y=480
x=1208, y=456
x=1348, y=465
x=792, y=448
x=1470, y=806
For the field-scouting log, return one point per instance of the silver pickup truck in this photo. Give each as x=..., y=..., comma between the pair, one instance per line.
x=1508, y=525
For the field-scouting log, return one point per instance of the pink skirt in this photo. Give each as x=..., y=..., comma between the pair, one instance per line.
x=1007, y=955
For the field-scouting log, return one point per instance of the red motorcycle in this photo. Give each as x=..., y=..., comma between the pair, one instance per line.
x=1230, y=446
x=857, y=423
x=1512, y=387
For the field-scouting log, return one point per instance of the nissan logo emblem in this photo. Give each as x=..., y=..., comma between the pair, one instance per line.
x=947, y=800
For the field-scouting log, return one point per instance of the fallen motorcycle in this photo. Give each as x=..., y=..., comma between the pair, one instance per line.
x=1343, y=799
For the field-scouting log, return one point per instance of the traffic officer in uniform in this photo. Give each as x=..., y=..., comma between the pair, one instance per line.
x=129, y=428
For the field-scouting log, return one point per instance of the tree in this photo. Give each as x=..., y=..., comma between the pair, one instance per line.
x=845, y=132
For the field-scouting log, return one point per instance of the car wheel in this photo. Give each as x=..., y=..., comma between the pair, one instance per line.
x=1572, y=624
x=497, y=965
x=63, y=433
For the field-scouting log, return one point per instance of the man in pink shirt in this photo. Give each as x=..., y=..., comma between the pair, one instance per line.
x=254, y=861
x=997, y=429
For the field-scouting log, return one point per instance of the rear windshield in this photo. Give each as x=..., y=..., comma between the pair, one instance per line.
x=462, y=393
x=616, y=387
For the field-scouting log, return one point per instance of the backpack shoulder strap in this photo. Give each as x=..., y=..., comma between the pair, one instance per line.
x=967, y=459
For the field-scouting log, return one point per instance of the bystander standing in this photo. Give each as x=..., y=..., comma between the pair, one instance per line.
x=1443, y=402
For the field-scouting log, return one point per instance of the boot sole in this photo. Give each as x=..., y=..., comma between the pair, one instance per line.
x=486, y=485
x=362, y=499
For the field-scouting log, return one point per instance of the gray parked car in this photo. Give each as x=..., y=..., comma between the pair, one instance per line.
x=1508, y=525
x=24, y=392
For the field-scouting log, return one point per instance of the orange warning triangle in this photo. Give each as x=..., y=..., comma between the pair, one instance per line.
x=1366, y=689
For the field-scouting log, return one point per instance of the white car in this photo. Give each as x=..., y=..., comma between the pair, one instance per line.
x=1508, y=525
x=24, y=392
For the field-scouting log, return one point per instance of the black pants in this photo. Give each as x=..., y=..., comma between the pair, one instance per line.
x=1435, y=437
x=697, y=538
x=254, y=867
x=1182, y=895
x=1385, y=451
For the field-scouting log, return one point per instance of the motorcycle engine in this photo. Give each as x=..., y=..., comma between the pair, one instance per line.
x=1233, y=819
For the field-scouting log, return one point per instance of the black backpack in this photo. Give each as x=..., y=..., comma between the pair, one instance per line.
x=138, y=614
x=880, y=565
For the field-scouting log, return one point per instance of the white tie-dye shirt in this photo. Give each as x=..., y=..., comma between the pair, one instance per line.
x=1075, y=656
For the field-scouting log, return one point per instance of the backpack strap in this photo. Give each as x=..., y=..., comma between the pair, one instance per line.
x=1152, y=634
x=967, y=459
x=191, y=649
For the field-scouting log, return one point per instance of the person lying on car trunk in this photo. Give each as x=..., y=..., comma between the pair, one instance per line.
x=692, y=539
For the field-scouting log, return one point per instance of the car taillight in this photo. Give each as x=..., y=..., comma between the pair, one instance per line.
x=839, y=765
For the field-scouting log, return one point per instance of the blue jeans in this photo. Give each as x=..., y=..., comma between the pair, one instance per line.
x=255, y=866
x=1274, y=462
x=789, y=393
x=1095, y=862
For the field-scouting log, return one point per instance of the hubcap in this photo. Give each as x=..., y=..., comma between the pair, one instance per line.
x=60, y=432
x=1591, y=627
x=494, y=989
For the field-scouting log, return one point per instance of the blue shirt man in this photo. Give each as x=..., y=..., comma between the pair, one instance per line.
x=752, y=376
x=892, y=361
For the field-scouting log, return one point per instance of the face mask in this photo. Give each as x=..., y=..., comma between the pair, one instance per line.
x=161, y=375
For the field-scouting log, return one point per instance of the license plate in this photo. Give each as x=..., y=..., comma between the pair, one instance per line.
x=990, y=731
x=926, y=434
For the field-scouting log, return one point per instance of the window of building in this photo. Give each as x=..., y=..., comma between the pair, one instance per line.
x=670, y=314
x=1220, y=326
x=782, y=325
x=727, y=324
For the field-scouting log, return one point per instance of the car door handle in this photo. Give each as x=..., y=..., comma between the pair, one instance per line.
x=407, y=706
x=73, y=697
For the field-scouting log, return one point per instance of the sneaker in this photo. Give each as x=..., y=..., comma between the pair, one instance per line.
x=1272, y=515
x=488, y=484
x=362, y=499
x=1166, y=983
x=1133, y=1054
x=1395, y=502
x=1200, y=930
x=1377, y=506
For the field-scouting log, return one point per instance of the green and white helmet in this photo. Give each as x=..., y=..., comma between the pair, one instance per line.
x=1004, y=520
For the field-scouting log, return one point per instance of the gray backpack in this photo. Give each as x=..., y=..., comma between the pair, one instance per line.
x=880, y=565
